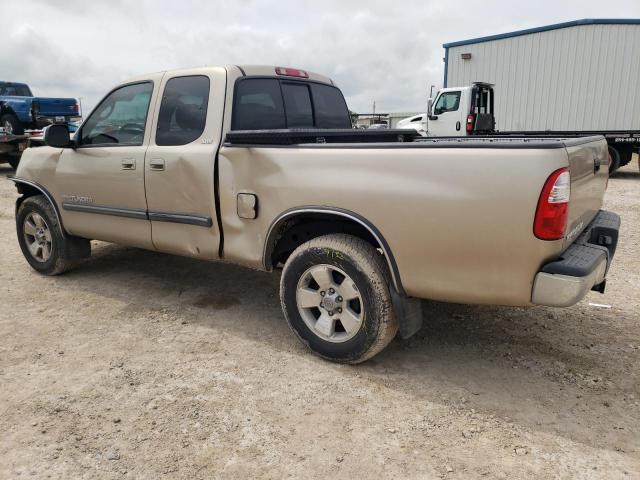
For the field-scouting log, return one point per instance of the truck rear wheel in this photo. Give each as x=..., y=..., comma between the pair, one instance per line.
x=41, y=240
x=11, y=124
x=335, y=296
x=615, y=160
x=626, y=154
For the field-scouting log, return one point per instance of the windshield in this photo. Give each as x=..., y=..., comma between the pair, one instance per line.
x=14, y=90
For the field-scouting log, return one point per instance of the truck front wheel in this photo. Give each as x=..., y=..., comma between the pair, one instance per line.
x=41, y=239
x=11, y=124
x=335, y=296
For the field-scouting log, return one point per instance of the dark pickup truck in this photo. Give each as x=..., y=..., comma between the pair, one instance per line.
x=20, y=110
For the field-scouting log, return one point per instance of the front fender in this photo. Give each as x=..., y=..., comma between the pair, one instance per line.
x=28, y=188
x=21, y=108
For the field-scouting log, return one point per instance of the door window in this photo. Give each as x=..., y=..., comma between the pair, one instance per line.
x=183, y=110
x=447, y=102
x=121, y=117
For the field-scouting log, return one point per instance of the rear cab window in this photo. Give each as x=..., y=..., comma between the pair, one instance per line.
x=273, y=103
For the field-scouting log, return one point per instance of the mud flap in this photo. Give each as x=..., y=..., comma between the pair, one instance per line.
x=409, y=313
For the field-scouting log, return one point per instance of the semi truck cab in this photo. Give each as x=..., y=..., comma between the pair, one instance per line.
x=461, y=111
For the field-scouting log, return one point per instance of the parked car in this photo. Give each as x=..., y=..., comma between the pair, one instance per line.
x=22, y=116
x=20, y=110
x=219, y=169
x=413, y=123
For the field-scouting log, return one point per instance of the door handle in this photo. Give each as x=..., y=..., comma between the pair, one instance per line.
x=156, y=164
x=128, y=163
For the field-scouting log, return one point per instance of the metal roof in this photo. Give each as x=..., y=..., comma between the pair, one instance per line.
x=555, y=26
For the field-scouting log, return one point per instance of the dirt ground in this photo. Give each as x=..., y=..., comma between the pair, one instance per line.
x=143, y=365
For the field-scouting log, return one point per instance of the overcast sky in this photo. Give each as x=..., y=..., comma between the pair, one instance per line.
x=387, y=51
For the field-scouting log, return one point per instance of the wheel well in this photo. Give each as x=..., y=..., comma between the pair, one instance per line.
x=292, y=231
x=27, y=190
x=5, y=109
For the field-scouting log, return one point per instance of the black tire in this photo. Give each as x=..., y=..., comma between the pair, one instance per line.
x=65, y=250
x=366, y=266
x=11, y=124
x=615, y=160
x=626, y=154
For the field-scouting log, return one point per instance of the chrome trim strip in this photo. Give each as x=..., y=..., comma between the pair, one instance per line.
x=180, y=218
x=104, y=210
x=395, y=274
x=139, y=214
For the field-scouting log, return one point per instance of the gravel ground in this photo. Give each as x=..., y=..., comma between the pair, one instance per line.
x=143, y=365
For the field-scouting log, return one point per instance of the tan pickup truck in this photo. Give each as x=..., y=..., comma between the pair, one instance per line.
x=259, y=166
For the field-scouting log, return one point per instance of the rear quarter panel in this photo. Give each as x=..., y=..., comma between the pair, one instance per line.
x=458, y=220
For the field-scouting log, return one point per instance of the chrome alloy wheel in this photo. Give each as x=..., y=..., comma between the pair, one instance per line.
x=8, y=127
x=329, y=303
x=37, y=237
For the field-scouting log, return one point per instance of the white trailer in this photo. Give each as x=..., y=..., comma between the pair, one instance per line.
x=574, y=78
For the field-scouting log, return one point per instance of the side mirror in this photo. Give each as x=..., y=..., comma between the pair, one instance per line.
x=430, y=114
x=57, y=136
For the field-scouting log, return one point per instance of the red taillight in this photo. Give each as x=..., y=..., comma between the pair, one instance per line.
x=553, y=206
x=469, y=123
x=291, y=72
x=74, y=108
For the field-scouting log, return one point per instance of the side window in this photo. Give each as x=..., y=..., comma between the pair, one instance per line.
x=297, y=104
x=258, y=105
x=447, y=102
x=183, y=110
x=330, y=108
x=121, y=117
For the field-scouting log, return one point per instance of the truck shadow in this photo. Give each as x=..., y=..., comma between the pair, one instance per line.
x=6, y=170
x=530, y=365
x=625, y=175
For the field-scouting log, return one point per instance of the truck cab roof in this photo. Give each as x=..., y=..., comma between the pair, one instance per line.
x=248, y=71
x=14, y=89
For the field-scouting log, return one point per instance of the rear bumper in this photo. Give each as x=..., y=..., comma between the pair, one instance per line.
x=42, y=121
x=582, y=267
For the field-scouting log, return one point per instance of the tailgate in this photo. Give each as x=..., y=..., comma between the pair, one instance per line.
x=589, y=169
x=51, y=107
